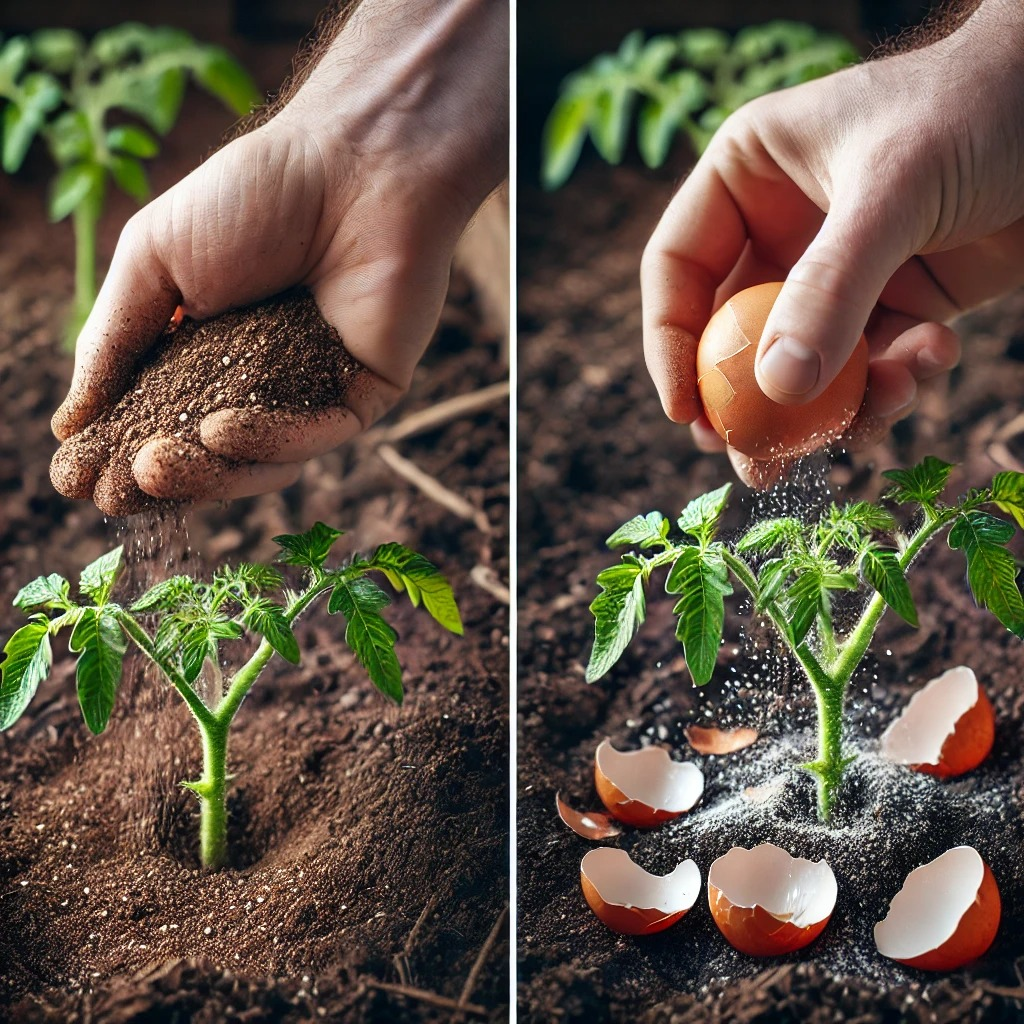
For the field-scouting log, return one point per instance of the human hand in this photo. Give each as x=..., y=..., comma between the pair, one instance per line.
x=886, y=196
x=358, y=189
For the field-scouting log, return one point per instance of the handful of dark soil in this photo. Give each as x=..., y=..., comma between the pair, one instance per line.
x=276, y=355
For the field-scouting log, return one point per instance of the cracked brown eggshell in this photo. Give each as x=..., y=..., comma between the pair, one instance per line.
x=742, y=414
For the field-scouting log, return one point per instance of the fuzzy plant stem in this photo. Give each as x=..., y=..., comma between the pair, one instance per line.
x=85, y=220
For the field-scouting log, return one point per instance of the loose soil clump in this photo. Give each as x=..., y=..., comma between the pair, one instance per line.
x=276, y=356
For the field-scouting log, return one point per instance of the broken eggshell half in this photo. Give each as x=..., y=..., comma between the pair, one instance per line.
x=767, y=902
x=946, y=914
x=588, y=824
x=629, y=899
x=946, y=729
x=645, y=787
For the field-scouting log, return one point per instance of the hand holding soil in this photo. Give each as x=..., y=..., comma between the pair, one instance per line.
x=358, y=189
x=882, y=211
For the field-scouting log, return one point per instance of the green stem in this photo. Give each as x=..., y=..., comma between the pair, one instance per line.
x=212, y=791
x=85, y=219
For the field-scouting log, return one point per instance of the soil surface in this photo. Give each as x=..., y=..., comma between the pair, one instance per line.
x=276, y=356
x=595, y=449
x=369, y=844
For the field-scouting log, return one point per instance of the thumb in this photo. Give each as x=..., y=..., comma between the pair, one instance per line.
x=825, y=303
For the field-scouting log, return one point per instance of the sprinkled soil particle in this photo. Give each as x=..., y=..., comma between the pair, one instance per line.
x=279, y=355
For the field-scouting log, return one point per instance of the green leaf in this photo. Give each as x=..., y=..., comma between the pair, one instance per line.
x=406, y=570
x=646, y=531
x=564, y=134
x=100, y=645
x=44, y=591
x=14, y=58
x=72, y=186
x=26, y=664
x=249, y=576
x=166, y=596
x=372, y=640
x=57, y=49
x=98, y=578
x=39, y=93
x=130, y=176
x=769, y=534
x=922, y=483
x=864, y=514
x=267, y=619
x=991, y=569
x=656, y=56
x=881, y=568
x=113, y=45
x=309, y=549
x=70, y=139
x=222, y=76
x=195, y=641
x=700, y=517
x=156, y=99
x=662, y=117
x=619, y=611
x=702, y=580
x=610, y=118
x=771, y=579
x=802, y=601
x=1008, y=494
x=131, y=139
x=702, y=48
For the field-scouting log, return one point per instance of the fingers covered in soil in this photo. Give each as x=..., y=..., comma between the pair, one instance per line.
x=219, y=409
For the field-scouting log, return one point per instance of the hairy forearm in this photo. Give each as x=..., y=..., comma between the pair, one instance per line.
x=423, y=80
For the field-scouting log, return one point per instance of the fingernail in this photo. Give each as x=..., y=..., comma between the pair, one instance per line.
x=790, y=367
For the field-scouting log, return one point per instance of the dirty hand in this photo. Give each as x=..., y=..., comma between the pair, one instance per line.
x=359, y=189
x=886, y=196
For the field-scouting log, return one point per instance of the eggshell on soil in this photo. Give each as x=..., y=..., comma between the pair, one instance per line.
x=946, y=729
x=767, y=902
x=631, y=900
x=588, y=824
x=741, y=413
x=645, y=787
x=712, y=740
x=946, y=914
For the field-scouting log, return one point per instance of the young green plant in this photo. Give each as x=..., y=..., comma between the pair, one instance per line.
x=793, y=571
x=180, y=623
x=55, y=85
x=686, y=83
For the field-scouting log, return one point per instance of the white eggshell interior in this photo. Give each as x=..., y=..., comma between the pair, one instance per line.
x=792, y=889
x=927, y=910
x=651, y=777
x=917, y=736
x=623, y=883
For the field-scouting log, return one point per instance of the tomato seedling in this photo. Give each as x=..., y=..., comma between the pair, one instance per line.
x=793, y=570
x=685, y=83
x=180, y=623
x=56, y=86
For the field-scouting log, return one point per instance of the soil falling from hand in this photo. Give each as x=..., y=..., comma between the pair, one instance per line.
x=276, y=356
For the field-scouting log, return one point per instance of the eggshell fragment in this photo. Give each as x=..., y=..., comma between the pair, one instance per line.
x=946, y=914
x=742, y=414
x=947, y=728
x=766, y=902
x=710, y=740
x=645, y=787
x=588, y=824
x=631, y=900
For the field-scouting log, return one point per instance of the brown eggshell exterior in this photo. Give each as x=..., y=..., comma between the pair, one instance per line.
x=752, y=930
x=750, y=421
x=974, y=934
x=968, y=744
x=627, y=920
x=632, y=812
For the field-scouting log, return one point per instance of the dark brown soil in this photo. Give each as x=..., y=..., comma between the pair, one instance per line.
x=369, y=844
x=595, y=449
x=276, y=355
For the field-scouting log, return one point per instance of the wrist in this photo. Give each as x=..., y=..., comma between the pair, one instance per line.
x=417, y=91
